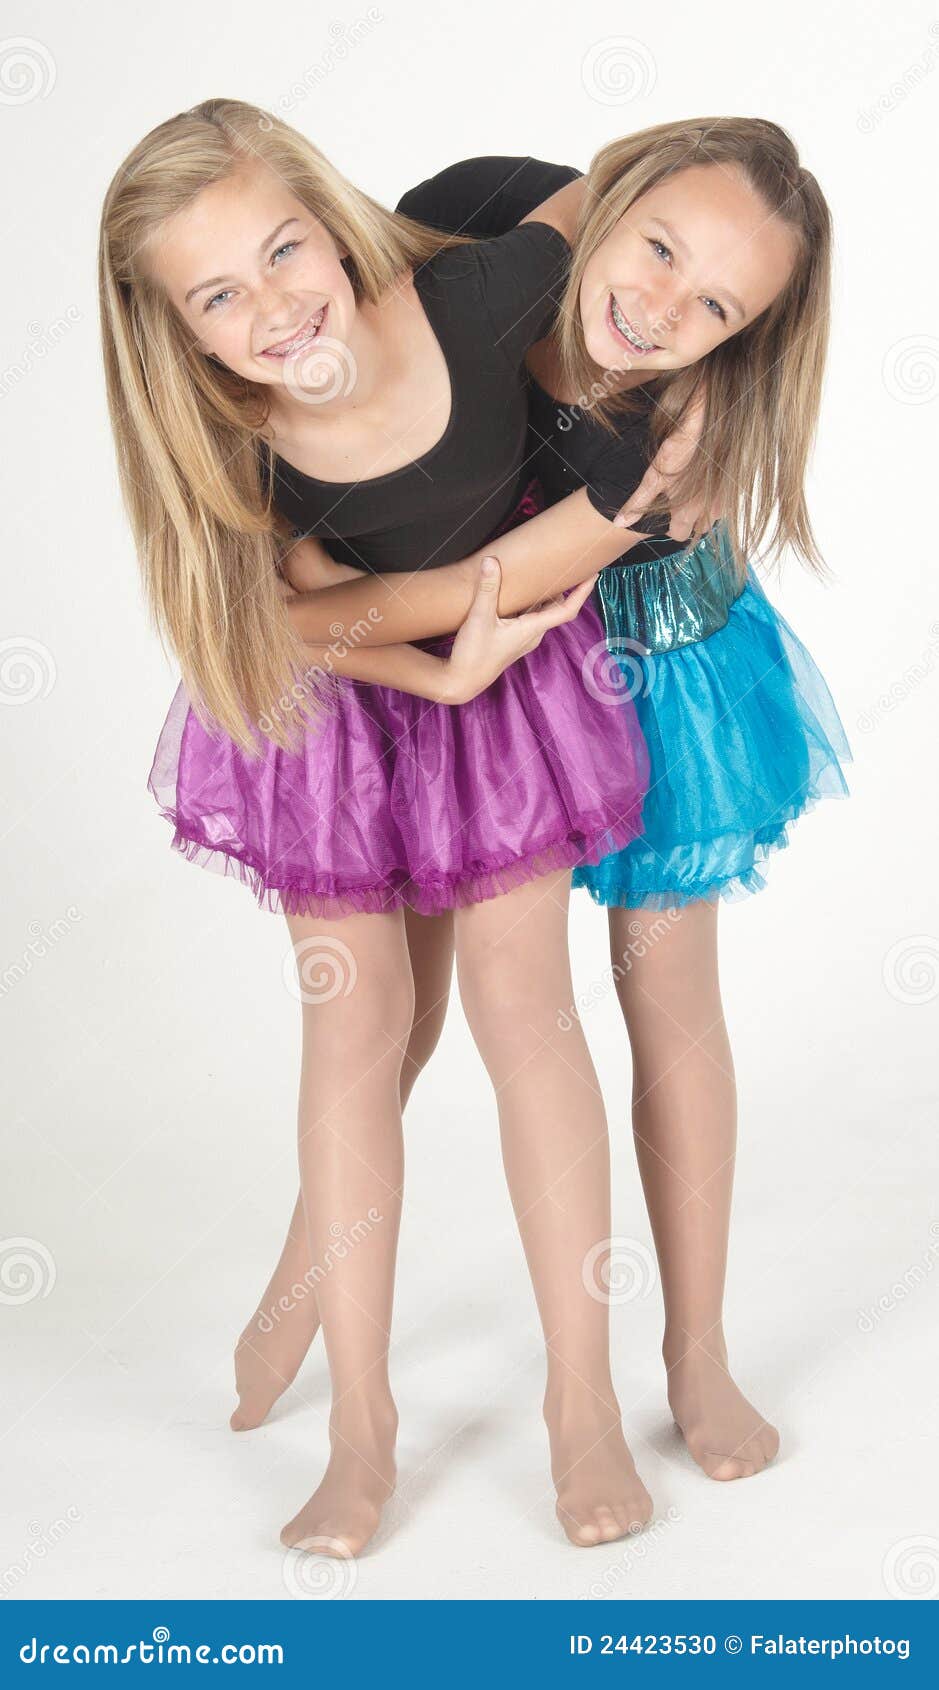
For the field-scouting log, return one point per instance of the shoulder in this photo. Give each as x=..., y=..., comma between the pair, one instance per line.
x=520, y=278
x=486, y=195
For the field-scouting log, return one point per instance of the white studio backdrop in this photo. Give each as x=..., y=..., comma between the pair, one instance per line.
x=151, y=1051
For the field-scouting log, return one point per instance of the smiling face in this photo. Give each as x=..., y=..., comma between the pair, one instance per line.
x=692, y=262
x=256, y=277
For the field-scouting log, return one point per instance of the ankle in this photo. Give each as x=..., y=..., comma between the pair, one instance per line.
x=571, y=1399
x=682, y=1346
x=370, y=1409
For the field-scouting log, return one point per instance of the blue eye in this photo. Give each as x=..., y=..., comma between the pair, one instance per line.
x=211, y=302
x=708, y=302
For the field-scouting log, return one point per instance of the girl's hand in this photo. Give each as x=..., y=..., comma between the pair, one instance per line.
x=308, y=566
x=672, y=457
x=487, y=643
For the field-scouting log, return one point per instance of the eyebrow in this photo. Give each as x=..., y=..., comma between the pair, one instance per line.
x=677, y=241
x=213, y=281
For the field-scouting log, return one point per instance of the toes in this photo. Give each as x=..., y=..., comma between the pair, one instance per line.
x=243, y=1420
x=608, y=1524
x=583, y=1533
x=340, y=1544
x=742, y=1464
x=725, y=1467
x=603, y=1524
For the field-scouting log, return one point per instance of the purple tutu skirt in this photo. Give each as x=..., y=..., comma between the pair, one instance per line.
x=394, y=800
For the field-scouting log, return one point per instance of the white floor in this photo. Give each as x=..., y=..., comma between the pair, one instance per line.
x=154, y=1139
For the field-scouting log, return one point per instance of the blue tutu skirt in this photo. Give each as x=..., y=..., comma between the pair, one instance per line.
x=741, y=729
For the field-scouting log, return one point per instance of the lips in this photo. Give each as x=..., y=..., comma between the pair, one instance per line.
x=626, y=332
x=305, y=336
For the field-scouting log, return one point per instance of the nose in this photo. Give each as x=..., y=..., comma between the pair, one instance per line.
x=275, y=305
x=665, y=309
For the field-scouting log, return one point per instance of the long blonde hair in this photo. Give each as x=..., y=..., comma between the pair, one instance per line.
x=761, y=389
x=185, y=428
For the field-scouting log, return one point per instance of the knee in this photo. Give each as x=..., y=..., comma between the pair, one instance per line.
x=499, y=990
x=370, y=1015
x=425, y=1032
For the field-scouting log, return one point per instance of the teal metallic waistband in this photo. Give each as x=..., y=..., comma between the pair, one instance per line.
x=667, y=602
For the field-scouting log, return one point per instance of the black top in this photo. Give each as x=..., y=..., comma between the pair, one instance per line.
x=567, y=448
x=486, y=303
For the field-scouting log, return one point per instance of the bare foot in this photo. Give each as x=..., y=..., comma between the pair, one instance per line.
x=267, y=1361
x=600, y=1495
x=726, y=1435
x=345, y=1509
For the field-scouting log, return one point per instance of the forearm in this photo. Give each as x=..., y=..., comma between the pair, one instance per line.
x=401, y=666
x=547, y=555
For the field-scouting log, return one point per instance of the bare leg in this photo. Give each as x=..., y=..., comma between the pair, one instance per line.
x=275, y=1341
x=514, y=973
x=685, y=1127
x=351, y=1157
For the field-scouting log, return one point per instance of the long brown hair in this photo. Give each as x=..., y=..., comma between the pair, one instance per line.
x=760, y=391
x=186, y=428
